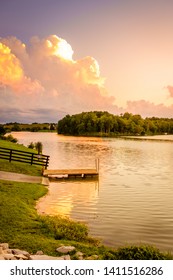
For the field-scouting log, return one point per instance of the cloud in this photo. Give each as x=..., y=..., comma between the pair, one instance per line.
x=149, y=109
x=43, y=75
x=41, y=80
x=15, y=114
x=170, y=89
x=12, y=74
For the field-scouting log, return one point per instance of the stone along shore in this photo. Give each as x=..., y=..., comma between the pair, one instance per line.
x=7, y=253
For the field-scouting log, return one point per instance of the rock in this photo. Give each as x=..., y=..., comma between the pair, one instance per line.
x=79, y=255
x=67, y=257
x=9, y=257
x=20, y=252
x=21, y=257
x=65, y=249
x=4, y=246
x=8, y=251
x=93, y=257
x=39, y=253
x=44, y=257
x=16, y=254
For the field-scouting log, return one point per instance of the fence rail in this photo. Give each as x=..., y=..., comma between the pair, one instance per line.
x=25, y=157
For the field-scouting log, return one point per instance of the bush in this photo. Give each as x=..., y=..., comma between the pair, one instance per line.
x=31, y=145
x=64, y=228
x=39, y=147
x=2, y=130
x=9, y=138
x=143, y=252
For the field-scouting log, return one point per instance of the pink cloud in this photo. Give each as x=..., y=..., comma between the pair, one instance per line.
x=42, y=76
x=54, y=80
x=149, y=109
x=170, y=89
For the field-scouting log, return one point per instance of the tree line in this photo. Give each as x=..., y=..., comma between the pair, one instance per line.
x=98, y=123
x=34, y=127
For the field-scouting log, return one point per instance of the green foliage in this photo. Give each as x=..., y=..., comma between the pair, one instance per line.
x=2, y=130
x=31, y=145
x=99, y=123
x=143, y=252
x=10, y=138
x=34, y=127
x=64, y=228
x=39, y=147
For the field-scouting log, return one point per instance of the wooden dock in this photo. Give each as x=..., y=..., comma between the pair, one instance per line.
x=70, y=173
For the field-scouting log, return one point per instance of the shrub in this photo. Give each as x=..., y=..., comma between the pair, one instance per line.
x=10, y=138
x=31, y=145
x=39, y=147
x=64, y=228
x=2, y=130
x=143, y=252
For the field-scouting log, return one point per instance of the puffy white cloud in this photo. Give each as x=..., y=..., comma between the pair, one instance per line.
x=46, y=76
x=42, y=77
x=12, y=74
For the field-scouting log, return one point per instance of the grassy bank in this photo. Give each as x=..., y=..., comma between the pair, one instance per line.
x=17, y=166
x=23, y=228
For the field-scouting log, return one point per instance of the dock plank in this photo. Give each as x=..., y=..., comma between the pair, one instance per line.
x=75, y=172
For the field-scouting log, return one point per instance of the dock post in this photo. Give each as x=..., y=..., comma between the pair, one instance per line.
x=97, y=164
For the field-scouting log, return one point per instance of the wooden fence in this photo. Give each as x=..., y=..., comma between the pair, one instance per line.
x=25, y=157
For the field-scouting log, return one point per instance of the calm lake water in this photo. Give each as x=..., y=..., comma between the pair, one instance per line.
x=132, y=202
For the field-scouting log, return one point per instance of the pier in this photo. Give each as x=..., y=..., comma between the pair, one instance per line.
x=72, y=173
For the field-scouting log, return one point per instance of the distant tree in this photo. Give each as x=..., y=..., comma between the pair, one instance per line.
x=2, y=130
x=16, y=127
x=39, y=147
x=35, y=128
x=52, y=126
x=31, y=145
x=104, y=123
x=10, y=138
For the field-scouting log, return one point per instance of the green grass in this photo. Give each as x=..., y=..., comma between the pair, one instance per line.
x=10, y=145
x=22, y=227
x=18, y=167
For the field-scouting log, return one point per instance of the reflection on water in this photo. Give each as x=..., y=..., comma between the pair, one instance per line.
x=133, y=200
x=64, y=197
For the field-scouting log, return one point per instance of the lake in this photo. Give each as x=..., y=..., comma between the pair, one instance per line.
x=131, y=203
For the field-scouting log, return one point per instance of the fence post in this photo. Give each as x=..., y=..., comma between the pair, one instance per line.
x=10, y=159
x=47, y=159
x=32, y=158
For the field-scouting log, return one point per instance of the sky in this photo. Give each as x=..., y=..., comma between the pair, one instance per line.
x=66, y=57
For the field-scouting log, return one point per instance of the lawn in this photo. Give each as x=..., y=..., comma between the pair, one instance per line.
x=22, y=227
x=17, y=166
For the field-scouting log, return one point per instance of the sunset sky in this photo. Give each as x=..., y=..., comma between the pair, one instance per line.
x=64, y=57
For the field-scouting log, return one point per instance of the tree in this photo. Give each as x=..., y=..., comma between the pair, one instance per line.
x=39, y=147
x=104, y=123
x=2, y=130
